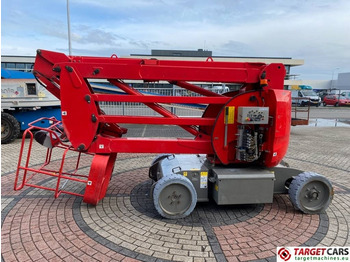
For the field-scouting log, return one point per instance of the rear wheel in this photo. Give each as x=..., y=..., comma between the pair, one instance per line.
x=310, y=192
x=174, y=196
x=336, y=104
x=10, y=128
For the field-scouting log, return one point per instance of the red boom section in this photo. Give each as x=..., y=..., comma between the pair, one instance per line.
x=90, y=130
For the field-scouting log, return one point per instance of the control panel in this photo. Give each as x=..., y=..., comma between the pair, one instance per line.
x=253, y=115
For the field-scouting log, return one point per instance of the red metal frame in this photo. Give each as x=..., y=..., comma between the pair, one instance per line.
x=25, y=174
x=67, y=77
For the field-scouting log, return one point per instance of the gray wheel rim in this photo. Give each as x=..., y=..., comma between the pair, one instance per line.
x=175, y=199
x=5, y=129
x=314, y=195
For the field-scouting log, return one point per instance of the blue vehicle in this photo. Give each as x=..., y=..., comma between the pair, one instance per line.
x=24, y=100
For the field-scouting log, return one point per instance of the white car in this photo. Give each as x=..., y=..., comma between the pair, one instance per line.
x=305, y=97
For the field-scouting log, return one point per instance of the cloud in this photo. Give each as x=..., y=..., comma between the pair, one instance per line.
x=316, y=31
x=236, y=48
x=88, y=35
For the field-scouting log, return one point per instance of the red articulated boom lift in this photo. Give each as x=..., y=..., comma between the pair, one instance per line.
x=237, y=146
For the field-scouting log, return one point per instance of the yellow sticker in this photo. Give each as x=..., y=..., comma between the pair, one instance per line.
x=216, y=187
x=185, y=173
x=204, y=173
x=229, y=117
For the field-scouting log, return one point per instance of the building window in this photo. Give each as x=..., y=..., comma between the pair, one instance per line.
x=20, y=66
x=11, y=66
x=25, y=67
x=287, y=67
x=29, y=67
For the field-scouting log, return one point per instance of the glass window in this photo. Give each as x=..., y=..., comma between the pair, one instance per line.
x=10, y=65
x=29, y=67
x=20, y=66
x=3, y=65
x=287, y=67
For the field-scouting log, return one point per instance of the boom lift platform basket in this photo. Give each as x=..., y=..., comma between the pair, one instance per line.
x=51, y=137
x=235, y=151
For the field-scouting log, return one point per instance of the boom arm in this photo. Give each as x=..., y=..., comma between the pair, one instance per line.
x=67, y=78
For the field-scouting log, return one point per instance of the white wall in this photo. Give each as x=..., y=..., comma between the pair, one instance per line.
x=343, y=81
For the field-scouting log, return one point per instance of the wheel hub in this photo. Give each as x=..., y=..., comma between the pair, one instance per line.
x=312, y=194
x=5, y=130
x=174, y=198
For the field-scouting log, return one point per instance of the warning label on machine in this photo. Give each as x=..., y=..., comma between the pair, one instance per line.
x=204, y=180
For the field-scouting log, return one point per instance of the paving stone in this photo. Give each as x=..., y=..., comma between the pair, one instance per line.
x=144, y=251
x=159, y=248
x=182, y=258
x=178, y=252
x=198, y=254
x=193, y=248
x=163, y=255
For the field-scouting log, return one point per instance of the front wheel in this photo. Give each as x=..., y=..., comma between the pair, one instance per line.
x=174, y=196
x=310, y=192
x=10, y=128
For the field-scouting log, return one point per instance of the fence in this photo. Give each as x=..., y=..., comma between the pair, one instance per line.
x=140, y=109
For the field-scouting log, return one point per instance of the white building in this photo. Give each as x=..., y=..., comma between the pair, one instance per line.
x=341, y=82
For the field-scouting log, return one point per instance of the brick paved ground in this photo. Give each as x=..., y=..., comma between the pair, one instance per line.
x=126, y=227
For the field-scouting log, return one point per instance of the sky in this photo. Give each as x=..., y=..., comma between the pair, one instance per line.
x=316, y=31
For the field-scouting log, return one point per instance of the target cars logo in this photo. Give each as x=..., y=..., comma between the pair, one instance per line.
x=292, y=254
x=284, y=254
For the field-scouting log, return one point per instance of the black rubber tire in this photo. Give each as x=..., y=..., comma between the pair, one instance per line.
x=336, y=104
x=152, y=189
x=10, y=128
x=299, y=199
x=188, y=197
x=324, y=104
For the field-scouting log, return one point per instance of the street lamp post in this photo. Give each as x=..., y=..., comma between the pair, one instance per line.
x=332, y=83
x=68, y=22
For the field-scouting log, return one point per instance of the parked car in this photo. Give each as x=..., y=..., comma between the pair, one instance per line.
x=336, y=100
x=346, y=94
x=323, y=94
x=305, y=97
